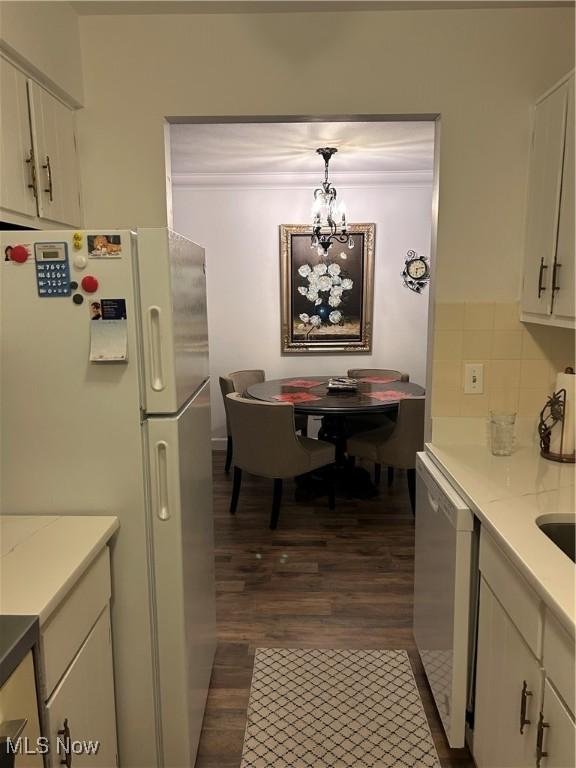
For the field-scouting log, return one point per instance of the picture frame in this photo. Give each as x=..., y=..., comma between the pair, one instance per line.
x=326, y=308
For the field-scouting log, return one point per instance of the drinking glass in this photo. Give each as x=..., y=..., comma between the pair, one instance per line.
x=502, y=432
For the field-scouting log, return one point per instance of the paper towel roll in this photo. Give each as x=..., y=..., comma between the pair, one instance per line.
x=565, y=381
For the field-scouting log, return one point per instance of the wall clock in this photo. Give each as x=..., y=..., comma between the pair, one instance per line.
x=416, y=272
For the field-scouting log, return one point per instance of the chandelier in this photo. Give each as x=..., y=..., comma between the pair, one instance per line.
x=329, y=217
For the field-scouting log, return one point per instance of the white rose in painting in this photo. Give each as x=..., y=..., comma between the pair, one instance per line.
x=304, y=270
x=325, y=283
x=302, y=290
x=334, y=269
x=312, y=295
x=336, y=290
x=347, y=283
x=336, y=280
x=320, y=269
x=313, y=281
x=334, y=301
x=335, y=317
x=315, y=321
x=304, y=317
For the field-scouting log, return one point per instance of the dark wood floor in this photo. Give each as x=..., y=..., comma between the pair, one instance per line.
x=323, y=579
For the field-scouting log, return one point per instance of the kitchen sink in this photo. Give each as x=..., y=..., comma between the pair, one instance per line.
x=561, y=529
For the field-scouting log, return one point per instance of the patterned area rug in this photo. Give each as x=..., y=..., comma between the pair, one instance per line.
x=335, y=708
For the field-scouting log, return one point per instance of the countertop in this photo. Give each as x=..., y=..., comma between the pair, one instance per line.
x=42, y=557
x=18, y=634
x=508, y=494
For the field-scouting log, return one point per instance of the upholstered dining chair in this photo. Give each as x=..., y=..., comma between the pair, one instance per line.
x=227, y=387
x=361, y=373
x=244, y=379
x=395, y=445
x=382, y=420
x=266, y=444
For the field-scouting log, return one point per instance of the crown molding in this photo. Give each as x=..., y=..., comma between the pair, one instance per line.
x=303, y=180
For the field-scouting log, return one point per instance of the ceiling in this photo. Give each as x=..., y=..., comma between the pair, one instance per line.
x=290, y=148
x=105, y=7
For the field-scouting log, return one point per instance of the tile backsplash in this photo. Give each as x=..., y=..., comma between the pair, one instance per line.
x=520, y=359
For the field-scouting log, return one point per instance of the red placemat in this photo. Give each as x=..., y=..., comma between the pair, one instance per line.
x=305, y=383
x=389, y=394
x=379, y=379
x=296, y=397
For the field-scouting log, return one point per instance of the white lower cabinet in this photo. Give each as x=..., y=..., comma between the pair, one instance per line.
x=77, y=675
x=508, y=683
x=556, y=733
x=81, y=718
x=524, y=673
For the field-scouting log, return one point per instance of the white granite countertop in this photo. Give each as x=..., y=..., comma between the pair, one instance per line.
x=509, y=494
x=42, y=557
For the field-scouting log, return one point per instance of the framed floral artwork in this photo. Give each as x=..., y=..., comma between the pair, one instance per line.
x=327, y=300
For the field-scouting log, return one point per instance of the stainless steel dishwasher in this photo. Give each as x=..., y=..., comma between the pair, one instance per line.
x=445, y=595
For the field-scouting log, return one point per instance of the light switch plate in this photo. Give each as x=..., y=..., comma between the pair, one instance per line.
x=473, y=378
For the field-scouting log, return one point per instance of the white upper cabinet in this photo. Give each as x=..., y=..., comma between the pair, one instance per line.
x=564, y=289
x=40, y=182
x=16, y=162
x=548, y=287
x=53, y=127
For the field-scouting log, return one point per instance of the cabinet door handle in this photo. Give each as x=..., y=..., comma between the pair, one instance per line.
x=555, y=269
x=523, y=703
x=47, y=167
x=541, y=288
x=30, y=161
x=540, y=740
x=64, y=735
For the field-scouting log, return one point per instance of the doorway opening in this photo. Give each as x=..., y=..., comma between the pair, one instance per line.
x=324, y=578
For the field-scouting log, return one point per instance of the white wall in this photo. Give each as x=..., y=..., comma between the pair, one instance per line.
x=239, y=229
x=481, y=69
x=45, y=38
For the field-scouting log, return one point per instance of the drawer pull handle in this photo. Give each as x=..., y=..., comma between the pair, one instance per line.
x=64, y=735
x=540, y=740
x=523, y=704
x=541, y=288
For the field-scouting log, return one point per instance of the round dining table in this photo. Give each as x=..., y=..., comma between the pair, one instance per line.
x=311, y=397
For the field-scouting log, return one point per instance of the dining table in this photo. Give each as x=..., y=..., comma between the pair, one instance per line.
x=340, y=410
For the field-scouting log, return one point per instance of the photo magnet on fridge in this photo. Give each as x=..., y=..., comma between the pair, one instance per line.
x=104, y=246
x=108, y=309
x=109, y=336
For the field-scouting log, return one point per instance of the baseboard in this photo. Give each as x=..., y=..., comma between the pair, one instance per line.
x=219, y=443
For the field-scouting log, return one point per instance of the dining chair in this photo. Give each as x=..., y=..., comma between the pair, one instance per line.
x=266, y=444
x=381, y=420
x=395, y=445
x=241, y=380
x=227, y=387
x=244, y=379
x=361, y=373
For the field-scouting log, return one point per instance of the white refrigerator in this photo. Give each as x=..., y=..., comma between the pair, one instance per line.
x=105, y=409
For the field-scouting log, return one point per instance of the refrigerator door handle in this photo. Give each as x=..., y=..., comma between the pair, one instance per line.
x=163, y=510
x=157, y=381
